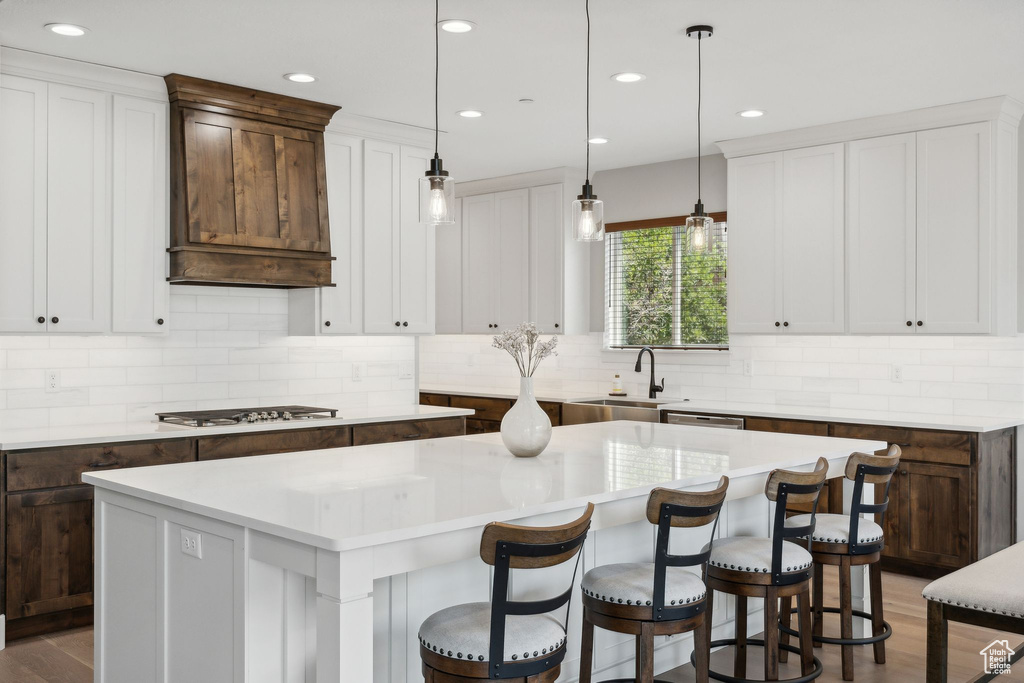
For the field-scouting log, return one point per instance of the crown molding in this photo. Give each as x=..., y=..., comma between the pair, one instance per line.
x=1002, y=108
x=517, y=181
x=380, y=129
x=72, y=72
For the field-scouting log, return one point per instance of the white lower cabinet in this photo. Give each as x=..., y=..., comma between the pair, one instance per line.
x=495, y=244
x=786, y=242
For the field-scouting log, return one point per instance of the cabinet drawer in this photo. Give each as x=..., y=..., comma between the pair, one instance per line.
x=64, y=466
x=760, y=424
x=482, y=426
x=389, y=432
x=554, y=411
x=486, y=408
x=949, y=448
x=240, y=445
x=434, y=399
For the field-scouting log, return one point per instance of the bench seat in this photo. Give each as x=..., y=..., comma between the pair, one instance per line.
x=993, y=584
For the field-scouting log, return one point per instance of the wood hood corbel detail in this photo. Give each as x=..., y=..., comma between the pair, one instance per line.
x=248, y=187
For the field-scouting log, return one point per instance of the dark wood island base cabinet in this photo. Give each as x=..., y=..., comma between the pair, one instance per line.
x=46, y=513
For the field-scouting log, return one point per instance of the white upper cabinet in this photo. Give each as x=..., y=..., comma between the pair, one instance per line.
x=755, y=244
x=78, y=212
x=448, y=275
x=812, y=240
x=547, y=246
x=495, y=245
x=416, y=248
x=381, y=229
x=881, y=234
x=141, y=293
x=954, y=267
x=22, y=205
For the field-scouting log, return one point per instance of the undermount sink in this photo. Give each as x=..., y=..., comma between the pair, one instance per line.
x=609, y=409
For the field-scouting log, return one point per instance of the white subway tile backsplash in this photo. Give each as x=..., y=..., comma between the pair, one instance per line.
x=225, y=347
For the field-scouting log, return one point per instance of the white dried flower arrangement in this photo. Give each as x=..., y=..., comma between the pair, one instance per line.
x=524, y=345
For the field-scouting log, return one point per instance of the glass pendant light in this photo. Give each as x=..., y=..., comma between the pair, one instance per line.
x=437, y=188
x=588, y=210
x=698, y=224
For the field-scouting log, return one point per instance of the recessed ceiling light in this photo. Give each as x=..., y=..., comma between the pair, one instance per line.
x=456, y=25
x=628, y=77
x=67, y=30
x=300, y=78
x=751, y=113
x=597, y=141
x=470, y=113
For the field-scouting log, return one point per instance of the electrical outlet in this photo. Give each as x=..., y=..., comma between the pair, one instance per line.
x=748, y=368
x=192, y=543
x=406, y=369
x=896, y=373
x=358, y=371
x=52, y=381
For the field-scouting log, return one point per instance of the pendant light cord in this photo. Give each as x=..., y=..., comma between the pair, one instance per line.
x=437, y=70
x=588, y=90
x=699, y=69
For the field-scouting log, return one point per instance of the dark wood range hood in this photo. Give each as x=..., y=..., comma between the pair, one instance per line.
x=248, y=187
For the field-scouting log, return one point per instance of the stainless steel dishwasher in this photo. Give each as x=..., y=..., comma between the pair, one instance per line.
x=713, y=421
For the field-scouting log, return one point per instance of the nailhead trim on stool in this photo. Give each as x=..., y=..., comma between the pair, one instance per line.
x=754, y=555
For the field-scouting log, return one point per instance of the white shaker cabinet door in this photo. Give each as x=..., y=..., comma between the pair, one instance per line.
x=512, y=221
x=416, y=248
x=547, y=237
x=954, y=229
x=448, y=271
x=22, y=205
x=78, y=212
x=812, y=240
x=141, y=292
x=881, y=237
x=341, y=306
x=480, y=264
x=381, y=230
x=755, y=244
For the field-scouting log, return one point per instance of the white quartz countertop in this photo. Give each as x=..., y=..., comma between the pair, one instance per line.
x=959, y=423
x=394, y=492
x=47, y=437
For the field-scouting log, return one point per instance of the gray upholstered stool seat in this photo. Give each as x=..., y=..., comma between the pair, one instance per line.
x=989, y=585
x=830, y=528
x=752, y=554
x=633, y=584
x=464, y=632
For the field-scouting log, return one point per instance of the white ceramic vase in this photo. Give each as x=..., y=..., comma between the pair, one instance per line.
x=526, y=429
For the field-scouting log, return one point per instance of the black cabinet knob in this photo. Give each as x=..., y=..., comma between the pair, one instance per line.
x=54, y=320
x=919, y=323
x=405, y=324
x=398, y=324
x=777, y=323
x=785, y=324
x=327, y=323
x=909, y=324
x=556, y=326
x=159, y=321
x=40, y=320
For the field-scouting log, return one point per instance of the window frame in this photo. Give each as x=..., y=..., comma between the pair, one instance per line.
x=677, y=223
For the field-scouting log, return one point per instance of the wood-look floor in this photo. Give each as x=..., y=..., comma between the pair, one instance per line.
x=67, y=657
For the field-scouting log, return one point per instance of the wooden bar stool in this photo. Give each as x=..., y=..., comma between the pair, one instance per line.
x=847, y=541
x=770, y=568
x=655, y=598
x=503, y=639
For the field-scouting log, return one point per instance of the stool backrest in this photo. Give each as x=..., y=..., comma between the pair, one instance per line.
x=670, y=508
x=510, y=546
x=865, y=468
x=785, y=487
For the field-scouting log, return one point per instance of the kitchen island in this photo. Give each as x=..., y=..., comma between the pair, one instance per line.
x=311, y=566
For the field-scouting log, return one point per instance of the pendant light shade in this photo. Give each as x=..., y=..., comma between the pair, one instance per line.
x=698, y=224
x=437, y=188
x=588, y=210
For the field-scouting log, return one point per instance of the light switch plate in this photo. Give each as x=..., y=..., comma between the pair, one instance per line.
x=406, y=370
x=192, y=543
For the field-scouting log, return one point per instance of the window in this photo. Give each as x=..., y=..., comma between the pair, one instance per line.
x=662, y=293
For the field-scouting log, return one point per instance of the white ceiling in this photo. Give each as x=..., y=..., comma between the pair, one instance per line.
x=805, y=62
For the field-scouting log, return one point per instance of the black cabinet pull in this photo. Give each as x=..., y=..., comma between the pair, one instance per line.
x=903, y=471
x=97, y=465
x=411, y=436
x=902, y=445
x=919, y=323
x=405, y=324
x=398, y=324
x=159, y=321
x=785, y=324
x=909, y=324
x=777, y=323
x=40, y=320
x=54, y=320
x=327, y=323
